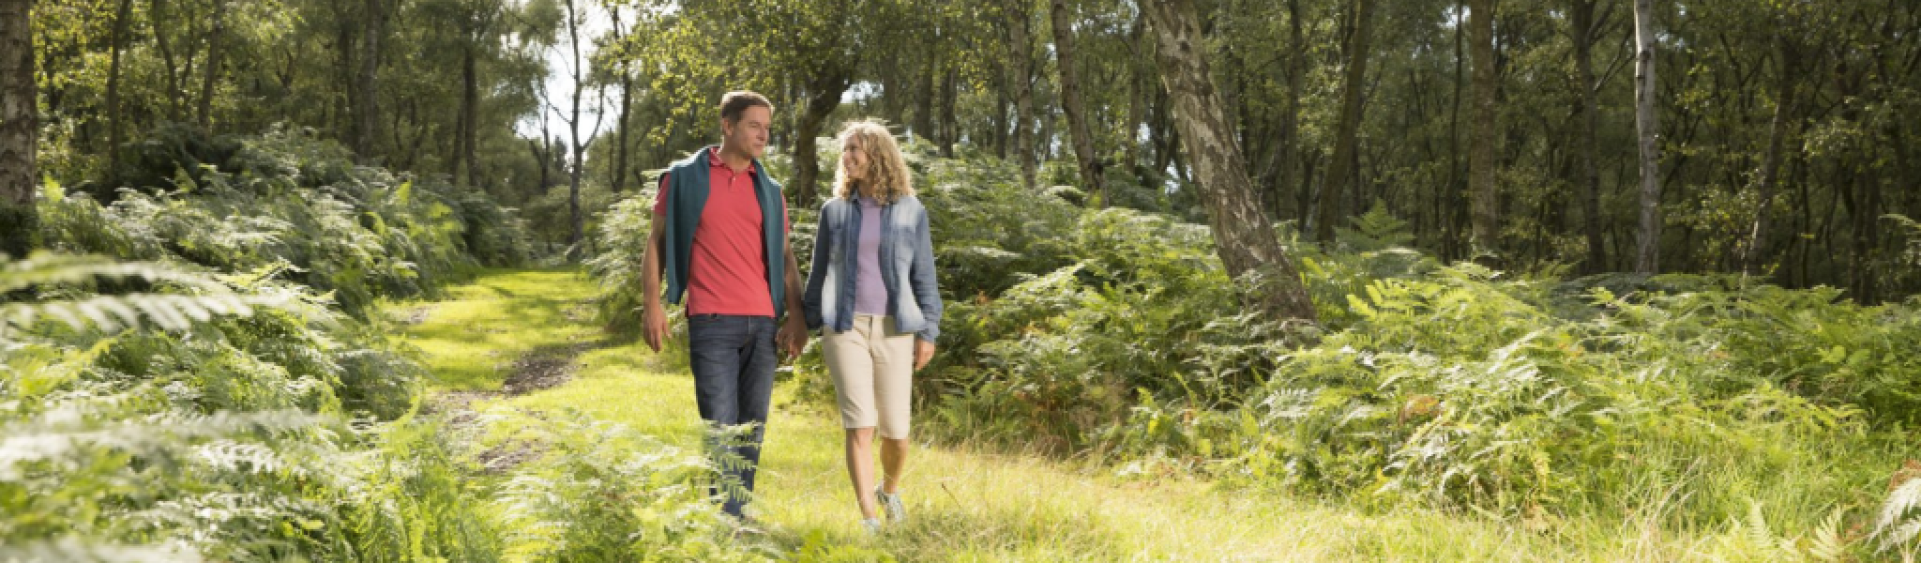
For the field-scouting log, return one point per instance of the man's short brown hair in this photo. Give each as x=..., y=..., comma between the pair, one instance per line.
x=734, y=103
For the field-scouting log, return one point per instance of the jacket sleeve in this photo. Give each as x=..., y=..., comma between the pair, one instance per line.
x=925, y=286
x=816, y=273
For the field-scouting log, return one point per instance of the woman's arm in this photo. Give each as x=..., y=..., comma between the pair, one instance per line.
x=921, y=277
x=817, y=271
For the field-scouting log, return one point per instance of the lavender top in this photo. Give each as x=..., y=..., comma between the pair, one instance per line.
x=870, y=292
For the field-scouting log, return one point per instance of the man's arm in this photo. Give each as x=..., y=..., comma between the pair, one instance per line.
x=793, y=332
x=653, y=317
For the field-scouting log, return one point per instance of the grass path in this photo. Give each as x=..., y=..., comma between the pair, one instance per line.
x=966, y=504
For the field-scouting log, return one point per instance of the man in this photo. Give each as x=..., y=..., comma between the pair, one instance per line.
x=720, y=233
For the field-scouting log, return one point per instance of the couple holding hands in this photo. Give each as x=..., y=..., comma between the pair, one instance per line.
x=720, y=240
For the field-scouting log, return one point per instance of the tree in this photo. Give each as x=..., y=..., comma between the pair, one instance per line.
x=574, y=18
x=212, y=69
x=623, y=75
x=817, y=47
x=1584, y=27
x=1289, y=167
x=1072, y=102
x=367, y=113
x=477, y=21
x=1647, y=256
x=1246, y=244
x=1480, y=160
x=1021, y=77
x=19, y=129
x=1352, y=86
x=114, y=125
x=1787, y=31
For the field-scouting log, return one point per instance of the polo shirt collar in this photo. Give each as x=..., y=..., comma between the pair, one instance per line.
x=713, y=159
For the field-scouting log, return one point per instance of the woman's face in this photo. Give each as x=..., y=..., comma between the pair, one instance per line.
x=853, y=159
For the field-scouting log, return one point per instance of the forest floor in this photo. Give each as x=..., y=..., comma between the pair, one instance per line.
x=524, y=342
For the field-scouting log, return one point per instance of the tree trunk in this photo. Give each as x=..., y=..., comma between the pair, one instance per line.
x=1481, y=129
x=823, y=96
x=160, y=43
x=19, y=130
x=1137, y=92
x=1091, y=172
x=1454, y=212
x=576, y=223
x=1770, y=160
x=457, y=148
x=1244, y=240
x=999, y=121
x=1342, y=166
x=470, y=107
x=893, y=87
x=621, y=147
x=1647, y=256
x=626, y=107
x=949, y=122
x=369, y=111
x=114, y=125
x=1289, y=146
x=1020, y=52
x=212, y=71
x=1584, y=141
x=541, y=154
x=924, y=103
x=343, y=121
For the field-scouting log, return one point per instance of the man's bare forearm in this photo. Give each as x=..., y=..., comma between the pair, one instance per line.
x=794, y=288
x=650, y=267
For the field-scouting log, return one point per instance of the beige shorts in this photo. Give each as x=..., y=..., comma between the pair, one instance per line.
x=873, y=370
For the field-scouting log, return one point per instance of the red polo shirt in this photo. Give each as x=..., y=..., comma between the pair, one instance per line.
x=727, y=272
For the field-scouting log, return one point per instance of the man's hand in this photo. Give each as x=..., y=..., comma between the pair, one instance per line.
x=792, y=337
x=923, y=353
x=654, y=322
x=653, y=317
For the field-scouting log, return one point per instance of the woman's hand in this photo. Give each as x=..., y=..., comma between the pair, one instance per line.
x=923, y=353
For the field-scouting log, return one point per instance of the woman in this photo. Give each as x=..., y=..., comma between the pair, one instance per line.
x=871, y=290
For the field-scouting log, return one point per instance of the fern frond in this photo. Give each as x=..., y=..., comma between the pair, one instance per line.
x=62, y=431
x=77, y=550
x=1828, y=544
x=1899, y=523
x=47, y=268
x=207, y=296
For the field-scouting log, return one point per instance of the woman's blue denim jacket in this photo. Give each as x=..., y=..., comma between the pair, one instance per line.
x=907, y=268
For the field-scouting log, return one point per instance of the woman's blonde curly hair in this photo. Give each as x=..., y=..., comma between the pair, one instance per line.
x=886, y=169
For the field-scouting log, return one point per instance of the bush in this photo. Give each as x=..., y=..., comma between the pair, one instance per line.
x=221, y=431
x=212, y=399
x=360, y=233
x=611, y=494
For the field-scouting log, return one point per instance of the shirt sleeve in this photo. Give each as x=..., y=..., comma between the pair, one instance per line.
x=660, y=197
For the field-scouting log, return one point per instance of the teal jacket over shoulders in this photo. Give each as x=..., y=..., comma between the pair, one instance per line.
x=687, y=198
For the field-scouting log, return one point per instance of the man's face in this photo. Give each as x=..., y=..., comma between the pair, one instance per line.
x=749, y=133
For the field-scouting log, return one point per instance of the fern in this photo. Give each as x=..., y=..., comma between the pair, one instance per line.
x=614, y=494
x=1376, y=230
x=1829, y=545
x=77, y=550
x=1899, y=522
x=112, y=313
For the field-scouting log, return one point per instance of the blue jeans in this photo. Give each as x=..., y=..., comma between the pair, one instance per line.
x=733, y=363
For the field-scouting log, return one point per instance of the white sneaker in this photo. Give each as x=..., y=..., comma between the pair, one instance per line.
x=871, y=525
x=890, y=503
